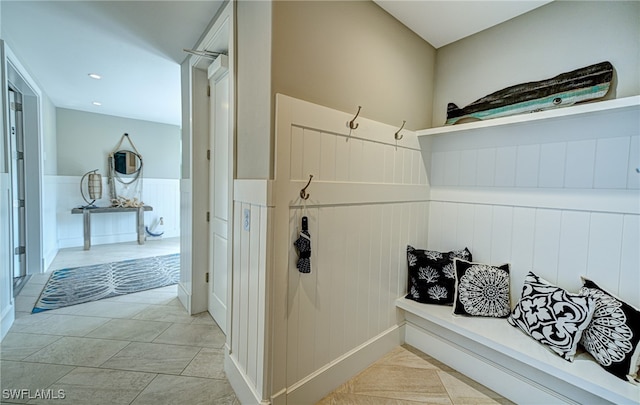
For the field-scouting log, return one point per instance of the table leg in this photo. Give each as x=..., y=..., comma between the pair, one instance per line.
x=140, y=218
x=86, y=219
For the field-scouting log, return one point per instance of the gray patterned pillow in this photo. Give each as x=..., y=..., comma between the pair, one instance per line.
x=552, y=316
x=481, y=290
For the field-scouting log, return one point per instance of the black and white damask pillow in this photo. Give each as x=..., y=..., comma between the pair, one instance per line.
x=481, y=290
x=432, y=275
x=614, y=332
x=552, y=316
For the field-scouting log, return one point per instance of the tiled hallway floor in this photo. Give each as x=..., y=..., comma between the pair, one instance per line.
x=406, y=376
x=140, y=348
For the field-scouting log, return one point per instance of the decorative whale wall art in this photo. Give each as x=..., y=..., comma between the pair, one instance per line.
x=566, y=89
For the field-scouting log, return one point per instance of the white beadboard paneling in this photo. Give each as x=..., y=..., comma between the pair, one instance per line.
x=452, y=168
x=373, y=290
x=522, y=245
x=407, y=169
x=297, y=156
x=482, y=233
x=468, y=167
x=505, y=168
x=465, y=224
x=574, y=248
x=357, y=162
x=389, y=164
x=629, y=284
x=527, y=165
x=435, y=230
x=449, y=215
x=438, y=160
x=546, y=244
x=605, y=248
x=327, y=157
x=254, y=305
x=362, y=214
x=241, y=276
x=398, y=167
x=501, y=228
x=322, y=324
x=336, y=256
x=486, y=167
x=311, y=155
x=633, y=171
x=342, y=159
x=552, y=158
x=579, y=164
x=375, y=152
x=611, y=163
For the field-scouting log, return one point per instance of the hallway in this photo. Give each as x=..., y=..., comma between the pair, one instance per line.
x=138, y=348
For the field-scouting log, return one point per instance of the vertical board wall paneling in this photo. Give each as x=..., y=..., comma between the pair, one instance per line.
x=574, y=245
x=359, y=234
x=546, y=247
x=633, y=176
x=605, y=248
x=248, y=297
x=629, y=282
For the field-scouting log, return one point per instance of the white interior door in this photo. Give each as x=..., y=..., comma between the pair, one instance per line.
x=219, y=177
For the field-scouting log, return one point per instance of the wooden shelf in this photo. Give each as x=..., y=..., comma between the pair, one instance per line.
x=522, y=119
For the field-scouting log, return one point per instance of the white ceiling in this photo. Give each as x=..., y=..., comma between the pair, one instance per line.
x=137, y=45
x=443, y=22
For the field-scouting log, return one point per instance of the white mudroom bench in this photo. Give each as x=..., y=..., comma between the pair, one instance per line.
x=503, y=358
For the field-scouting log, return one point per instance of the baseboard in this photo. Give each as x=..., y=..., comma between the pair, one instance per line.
x=8, y=316
x=316, y=386
x=185, y=297
x=492, y=375
x=48, y=258
x=243, y=389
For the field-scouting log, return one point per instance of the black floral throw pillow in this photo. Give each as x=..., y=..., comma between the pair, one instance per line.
x=432, y=275
x=552, y=316
x=613, y=334
x=481, y=289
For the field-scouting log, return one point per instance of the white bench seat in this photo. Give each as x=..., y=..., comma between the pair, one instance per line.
x=508, y=361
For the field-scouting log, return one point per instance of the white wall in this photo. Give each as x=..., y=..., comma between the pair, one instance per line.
x=84, y=141
x=161, y=194
x=555, y=38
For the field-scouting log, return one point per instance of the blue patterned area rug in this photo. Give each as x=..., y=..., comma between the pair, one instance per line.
x=90, y=283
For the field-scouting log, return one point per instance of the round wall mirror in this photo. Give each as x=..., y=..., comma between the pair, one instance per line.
x=126, y=162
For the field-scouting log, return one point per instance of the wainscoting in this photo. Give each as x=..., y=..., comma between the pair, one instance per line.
x=527, y=197
x=162, y=194
x=368, y=200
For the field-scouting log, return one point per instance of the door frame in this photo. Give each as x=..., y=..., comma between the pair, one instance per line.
x=32, y=103
x=192, y=289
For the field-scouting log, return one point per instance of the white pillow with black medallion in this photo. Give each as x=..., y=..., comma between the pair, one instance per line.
x=613, y=336
x=482, y=289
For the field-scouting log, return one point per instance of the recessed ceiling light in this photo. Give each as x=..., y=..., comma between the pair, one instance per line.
x=95, y=76
x=97, y=103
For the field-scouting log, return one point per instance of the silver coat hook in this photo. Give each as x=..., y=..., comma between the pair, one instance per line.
x=397, y=135
x=352, y=124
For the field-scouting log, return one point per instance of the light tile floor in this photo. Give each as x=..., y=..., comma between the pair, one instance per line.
x=143, y=348
x=406, y=376
x=140, y=348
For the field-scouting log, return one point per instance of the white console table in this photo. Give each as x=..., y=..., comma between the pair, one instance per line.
x=86, y=214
